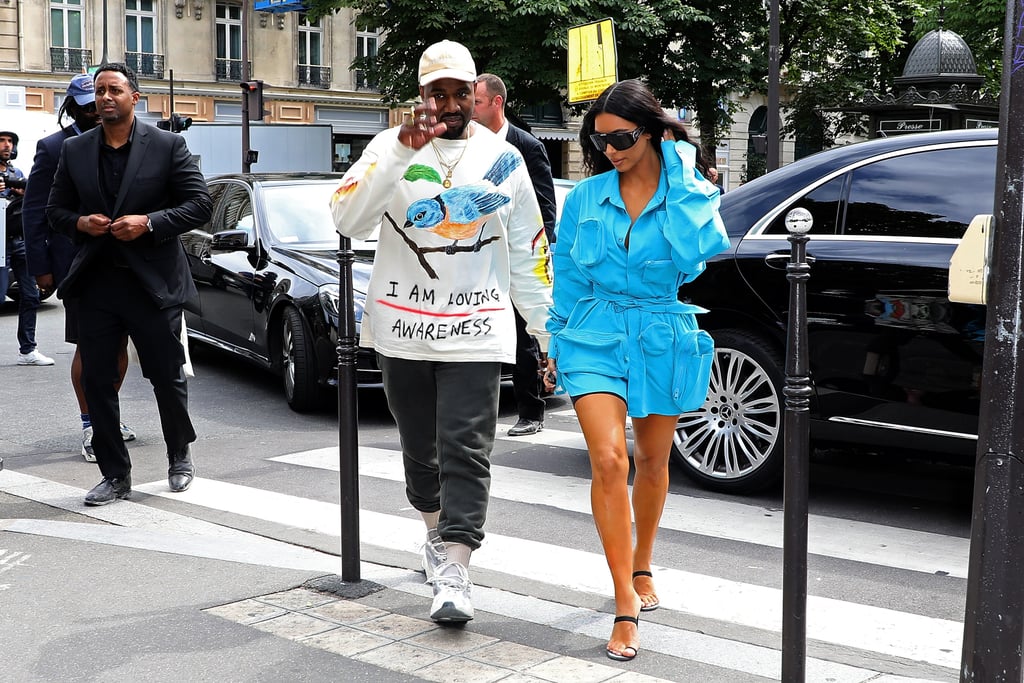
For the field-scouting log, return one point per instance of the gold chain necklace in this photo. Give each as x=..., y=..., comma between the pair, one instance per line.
x=449, y=166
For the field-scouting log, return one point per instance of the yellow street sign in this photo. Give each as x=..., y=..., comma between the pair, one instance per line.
x=592, y=60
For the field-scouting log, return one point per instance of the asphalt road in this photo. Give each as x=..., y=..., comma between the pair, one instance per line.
x=886, y=572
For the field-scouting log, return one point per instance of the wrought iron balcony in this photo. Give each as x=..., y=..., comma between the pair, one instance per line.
x=320, y=76
x=230, y=69
x=70, y=59
x=362, y=81
x=145, y=64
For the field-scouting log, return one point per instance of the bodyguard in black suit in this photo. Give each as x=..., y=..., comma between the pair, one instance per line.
x=489, y=110
x=125, y=191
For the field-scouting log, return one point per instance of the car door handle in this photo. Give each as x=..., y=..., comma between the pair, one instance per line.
x=779, y=259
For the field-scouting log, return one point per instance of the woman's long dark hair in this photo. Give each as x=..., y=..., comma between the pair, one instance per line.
x=631, y=100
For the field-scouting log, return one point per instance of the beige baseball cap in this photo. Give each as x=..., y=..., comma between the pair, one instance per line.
x=447, y=59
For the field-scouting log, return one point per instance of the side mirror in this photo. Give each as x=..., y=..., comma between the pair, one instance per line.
x=231, y=240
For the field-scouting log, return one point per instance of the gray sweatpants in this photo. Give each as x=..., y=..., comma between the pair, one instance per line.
x=447, y=414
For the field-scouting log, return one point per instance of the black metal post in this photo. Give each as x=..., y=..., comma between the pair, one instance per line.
x=348, y=420
x=246, y=157
x=170, y=103
x=797, y=454
x=994, y=615
x=772, y=150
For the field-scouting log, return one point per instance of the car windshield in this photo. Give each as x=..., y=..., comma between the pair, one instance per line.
x=300, y=214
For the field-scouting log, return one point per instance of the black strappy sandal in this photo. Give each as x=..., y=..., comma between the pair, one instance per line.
x=617, y=656
x=654, y=605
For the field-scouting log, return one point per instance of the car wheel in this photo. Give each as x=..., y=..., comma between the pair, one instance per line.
x=298, y=363
x=733, y=443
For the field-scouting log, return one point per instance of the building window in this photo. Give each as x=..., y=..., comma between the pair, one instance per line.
x=229, y=42
x=66, y=51
x=366, y=48
x=140, y=39
x=311, y=70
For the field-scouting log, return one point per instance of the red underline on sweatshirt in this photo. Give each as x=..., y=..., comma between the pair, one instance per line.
x=433, y=314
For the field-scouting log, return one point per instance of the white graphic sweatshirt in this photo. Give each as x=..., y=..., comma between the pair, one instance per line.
x=451, y=261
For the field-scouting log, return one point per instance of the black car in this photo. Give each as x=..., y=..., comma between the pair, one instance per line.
x=267, y=273
x=892, y=361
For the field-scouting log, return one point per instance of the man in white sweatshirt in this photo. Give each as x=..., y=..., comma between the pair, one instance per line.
x=461, y=243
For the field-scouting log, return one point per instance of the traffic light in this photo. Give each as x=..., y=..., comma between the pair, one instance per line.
x=252, y=91
x=180, y=123
x=175, y=124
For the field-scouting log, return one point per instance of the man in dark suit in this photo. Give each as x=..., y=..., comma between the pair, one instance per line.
x=489, y=110
x=49, y=253
x=125, y=191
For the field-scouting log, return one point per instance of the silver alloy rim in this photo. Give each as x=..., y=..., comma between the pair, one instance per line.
x=736, y=429
x=287, y=358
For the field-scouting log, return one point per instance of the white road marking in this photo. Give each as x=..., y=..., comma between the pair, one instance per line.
x=842, y=539
x=885, y=631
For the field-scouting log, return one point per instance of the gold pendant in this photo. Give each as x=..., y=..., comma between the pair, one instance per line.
x=447, y=183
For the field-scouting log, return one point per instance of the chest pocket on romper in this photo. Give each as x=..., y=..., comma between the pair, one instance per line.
x=589, y=247
x=662, y=271
x=686, y=356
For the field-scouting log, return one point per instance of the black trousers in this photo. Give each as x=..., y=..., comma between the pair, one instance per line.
x=113, y=303
x=526, y=378
x=446, y=415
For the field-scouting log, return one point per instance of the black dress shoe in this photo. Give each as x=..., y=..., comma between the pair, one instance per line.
x=180, y=470
x=109, y=490
x=525, y=427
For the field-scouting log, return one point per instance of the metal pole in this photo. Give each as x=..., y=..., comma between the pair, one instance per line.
x=772, y=149
x=103, y=59
x=348, y=420
x=993, y=628
x=170, y=103
x=797, y=448
x=246, y=164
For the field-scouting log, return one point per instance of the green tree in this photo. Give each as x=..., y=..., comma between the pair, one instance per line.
x=692, y=53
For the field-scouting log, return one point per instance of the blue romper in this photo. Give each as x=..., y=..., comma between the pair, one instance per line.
x=616, y=323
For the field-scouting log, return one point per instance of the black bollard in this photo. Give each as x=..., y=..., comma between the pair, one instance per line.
x=797, y=453
x=348, y=421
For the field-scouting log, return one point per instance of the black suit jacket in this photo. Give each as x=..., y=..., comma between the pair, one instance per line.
x=46, y=251
x=162, y=181
x=537, y=164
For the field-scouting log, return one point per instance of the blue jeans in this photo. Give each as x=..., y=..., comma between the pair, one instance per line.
x=29, y=303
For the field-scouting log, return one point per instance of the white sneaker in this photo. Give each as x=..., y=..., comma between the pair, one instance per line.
x=127, y=433
x=33, y=357
x=451, y=594
x=434, y=554
x=87, y=451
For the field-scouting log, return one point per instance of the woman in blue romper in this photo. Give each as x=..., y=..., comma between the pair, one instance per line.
x=622, y=343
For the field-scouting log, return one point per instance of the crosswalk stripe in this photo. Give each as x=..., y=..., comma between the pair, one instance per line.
x=875, y=629
x=842, y=539
x=147, y=528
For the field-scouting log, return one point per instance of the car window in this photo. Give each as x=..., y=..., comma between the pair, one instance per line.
x=933, y=194
x=237, y=212
x=823, y=202
x=301, y=214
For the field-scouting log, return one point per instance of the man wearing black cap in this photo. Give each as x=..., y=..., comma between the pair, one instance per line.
x=50, y=253
x=28, y=302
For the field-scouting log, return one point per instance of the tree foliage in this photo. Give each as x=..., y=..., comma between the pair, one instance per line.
x=692, y=53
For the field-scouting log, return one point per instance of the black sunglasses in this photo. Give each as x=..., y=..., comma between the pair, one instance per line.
x=620, y=141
